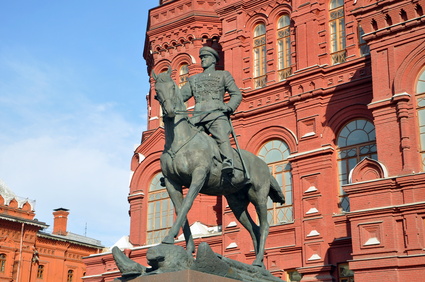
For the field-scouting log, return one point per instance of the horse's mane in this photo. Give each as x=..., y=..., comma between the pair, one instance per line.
x=163, y=77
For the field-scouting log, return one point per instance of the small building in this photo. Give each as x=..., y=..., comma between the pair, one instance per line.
x=28, y=253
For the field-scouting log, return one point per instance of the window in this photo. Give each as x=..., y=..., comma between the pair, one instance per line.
x=344, y=273
x=337, y=29
x=160, y=211
x=284, y=47
x=275, y=153
x=40, y=271
x=355, y=141
x=260, y=56
x=184, y=74
x=293, y=275
x=2, y=262
x=364, y=48
x=70, y=276
x=420, y=107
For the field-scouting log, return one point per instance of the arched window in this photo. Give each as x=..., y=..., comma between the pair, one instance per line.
x=420, y=107
x=284, y=47
x=70, y=276
x=355, y=141
x=260, y=56
x=183, y=74
x=364, y=48
x=2, y=262
x=160, y=211
x=337, y=29
x=275, y=153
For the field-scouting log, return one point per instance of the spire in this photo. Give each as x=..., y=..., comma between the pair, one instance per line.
x=5, y=191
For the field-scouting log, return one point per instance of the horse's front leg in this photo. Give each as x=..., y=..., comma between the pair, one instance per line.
x=198, y=179
x=176, y=195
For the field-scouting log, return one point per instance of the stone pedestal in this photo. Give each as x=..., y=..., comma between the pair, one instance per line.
x=173, y=263
x=180, y=276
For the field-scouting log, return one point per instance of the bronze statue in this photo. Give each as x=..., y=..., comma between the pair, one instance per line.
x=191, y=158
x=172, y=258
x=211, y=113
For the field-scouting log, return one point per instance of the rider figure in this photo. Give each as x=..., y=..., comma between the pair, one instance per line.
x=208, y=89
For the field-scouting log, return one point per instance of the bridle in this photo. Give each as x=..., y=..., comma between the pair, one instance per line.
x=162, y=101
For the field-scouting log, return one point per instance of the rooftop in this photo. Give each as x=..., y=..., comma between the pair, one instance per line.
x=73, y=238
x=8, y=196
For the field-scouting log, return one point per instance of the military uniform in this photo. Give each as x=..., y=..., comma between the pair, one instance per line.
x=208, y=89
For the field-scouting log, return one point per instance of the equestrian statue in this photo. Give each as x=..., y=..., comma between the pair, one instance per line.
x=198, y=155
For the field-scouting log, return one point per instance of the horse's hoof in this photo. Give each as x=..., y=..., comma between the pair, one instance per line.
x=168, y=240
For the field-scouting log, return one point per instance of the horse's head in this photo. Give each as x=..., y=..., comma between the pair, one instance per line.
x=165, y=88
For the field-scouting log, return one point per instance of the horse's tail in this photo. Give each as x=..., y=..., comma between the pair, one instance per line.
x=275, y=192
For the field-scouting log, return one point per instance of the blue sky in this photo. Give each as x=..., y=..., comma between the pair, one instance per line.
x=73, y=84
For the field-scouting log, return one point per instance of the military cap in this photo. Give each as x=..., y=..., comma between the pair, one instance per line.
x=210, y=51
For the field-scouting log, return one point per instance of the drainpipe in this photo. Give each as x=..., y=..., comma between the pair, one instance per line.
x=20, y=253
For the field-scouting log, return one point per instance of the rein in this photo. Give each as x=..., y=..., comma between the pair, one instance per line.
x=170, y=151
x=173, y=153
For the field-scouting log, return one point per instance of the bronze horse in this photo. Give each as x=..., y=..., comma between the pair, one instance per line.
x=191, y=159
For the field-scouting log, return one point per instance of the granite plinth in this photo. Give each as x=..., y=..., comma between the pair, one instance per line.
x=187, y=275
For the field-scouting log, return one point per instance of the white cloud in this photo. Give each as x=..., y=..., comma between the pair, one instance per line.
x=58, y=173
x=63, y=146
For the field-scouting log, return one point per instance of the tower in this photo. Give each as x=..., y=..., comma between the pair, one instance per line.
x=175, y=33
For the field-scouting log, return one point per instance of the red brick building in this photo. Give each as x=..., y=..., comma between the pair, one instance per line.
x=333, y=101
x=29, y=254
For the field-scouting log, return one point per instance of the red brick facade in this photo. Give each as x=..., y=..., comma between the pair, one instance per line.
x=28, y=253
x=336, y=90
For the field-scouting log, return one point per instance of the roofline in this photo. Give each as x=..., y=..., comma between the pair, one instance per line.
x=63, y=239
x=25, y=221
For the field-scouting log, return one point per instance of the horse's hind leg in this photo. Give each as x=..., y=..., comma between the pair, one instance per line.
x=176, y=195
x=260, y=203
x=238, y=203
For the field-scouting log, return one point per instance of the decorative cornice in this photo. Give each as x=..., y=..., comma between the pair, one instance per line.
x=311, y=153
x=386, y=209
x=370, y=186
x=389, y=101
x=315, y=269
x=36, y=223
x=151, y=141
x=374, y=18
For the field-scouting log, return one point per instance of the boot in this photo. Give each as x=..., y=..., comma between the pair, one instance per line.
x=227, y=167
